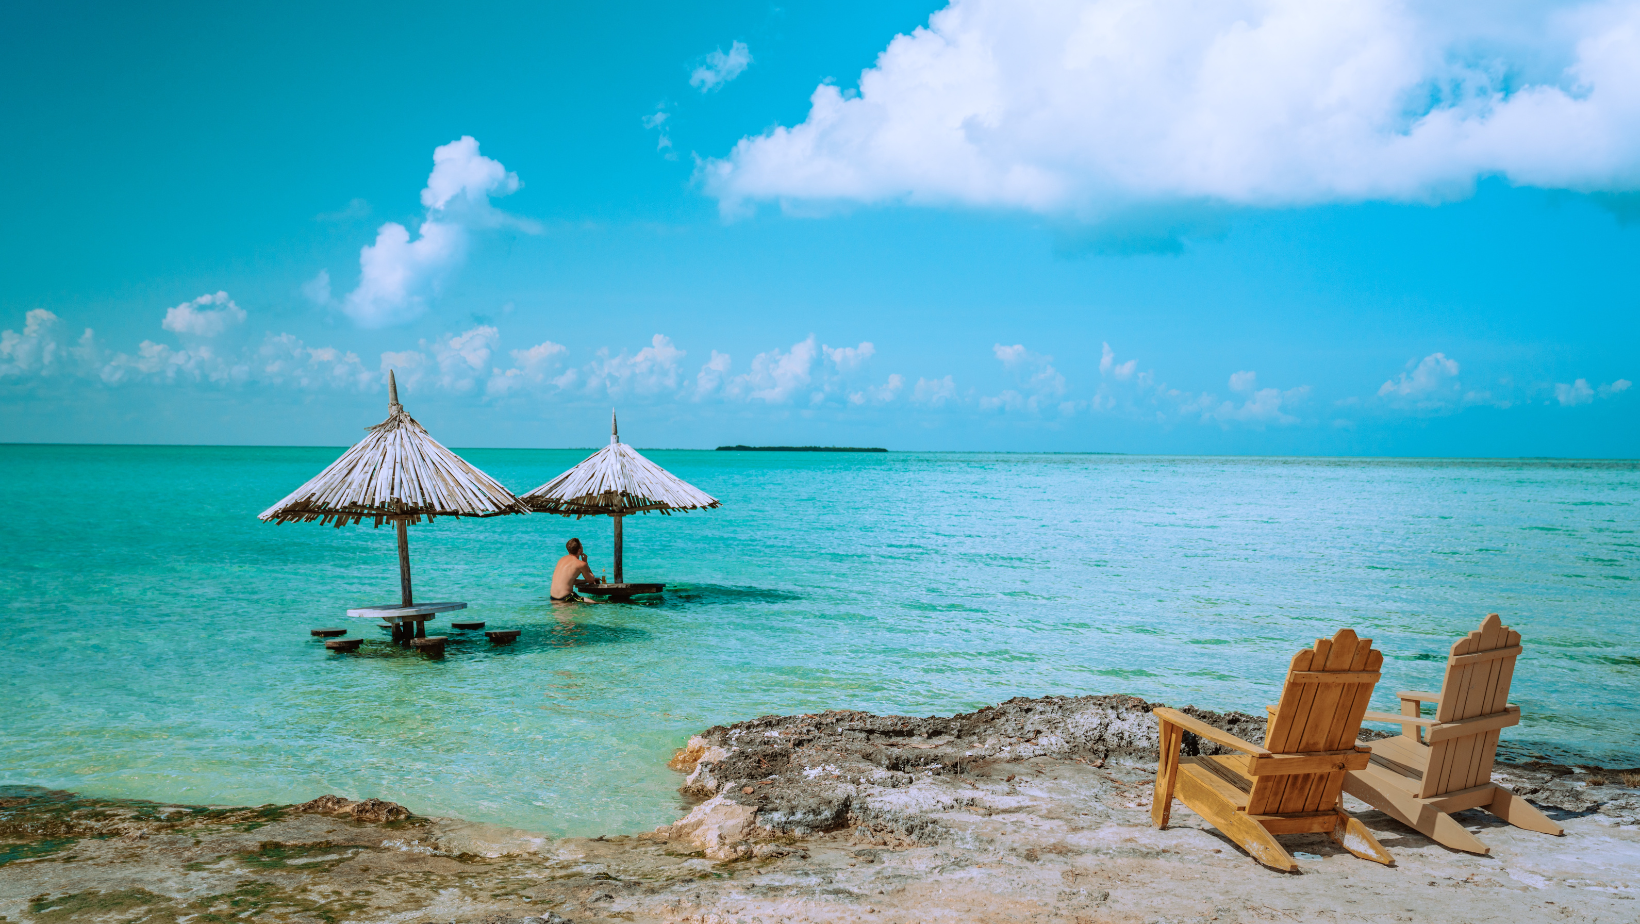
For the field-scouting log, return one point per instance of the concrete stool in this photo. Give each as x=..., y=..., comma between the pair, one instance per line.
x=466, y=625
x=328, y=633
x=432, y=645
x=503, y=636
x=344, y=644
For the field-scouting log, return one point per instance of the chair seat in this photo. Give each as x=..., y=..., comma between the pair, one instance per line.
x=1225, y=774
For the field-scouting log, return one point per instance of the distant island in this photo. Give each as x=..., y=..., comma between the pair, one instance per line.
x=801, y=449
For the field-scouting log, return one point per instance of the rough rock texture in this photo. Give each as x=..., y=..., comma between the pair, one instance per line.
x=367, y=810
x=813, y=773
x=1049, y=822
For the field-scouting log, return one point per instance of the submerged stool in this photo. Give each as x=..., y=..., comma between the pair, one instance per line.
x=327, y=633
x=432, y=645
x=344, y=644
x=466, y=625
x=503, y=636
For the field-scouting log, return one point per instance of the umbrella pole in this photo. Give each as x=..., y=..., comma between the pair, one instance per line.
x=404, y=562
x=618, y=578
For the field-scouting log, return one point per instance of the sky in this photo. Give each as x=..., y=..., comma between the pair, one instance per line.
x=1313, y=228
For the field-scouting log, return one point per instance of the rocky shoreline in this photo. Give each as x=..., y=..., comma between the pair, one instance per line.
x=1032, y=810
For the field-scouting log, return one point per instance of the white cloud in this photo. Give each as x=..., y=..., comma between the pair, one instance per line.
x=1266, y=405
x=286, y=360
x=711, y=375
x=1574, y=394
x=879, y=394
x=460, y=171
x=657, y=120
x=651, y=370
x=1243, y=381
x=317, y=289
x=1087, y=106
x=531, y=367
x=1040, y=383
x=396, y=274
x=775, y=376
x=848, y=359
x=1424, y=380
x=1109, y=366
x=40, y=350
x=934, y=392
x=720, y=68
x=1606, y=391
x=205, y=316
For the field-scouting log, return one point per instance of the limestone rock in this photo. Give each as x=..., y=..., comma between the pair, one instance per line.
x=719, y=827
x=376, y=810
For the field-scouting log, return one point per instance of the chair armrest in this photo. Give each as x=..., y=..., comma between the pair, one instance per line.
x=1399, y=719
x=1423, y=696
x=1204, y=730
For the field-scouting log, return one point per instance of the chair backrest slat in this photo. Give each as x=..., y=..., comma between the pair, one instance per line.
x=1316, y=716
x=1471, y=688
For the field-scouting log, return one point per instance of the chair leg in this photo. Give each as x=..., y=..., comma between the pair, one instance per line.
x=1353, y=836
x=1520, y=813
x=1167, y=774
x=1370, y=787
x=1234, y=824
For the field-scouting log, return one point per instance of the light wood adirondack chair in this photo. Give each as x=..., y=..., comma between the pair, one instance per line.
x=1291, y=784
x=1443, y=765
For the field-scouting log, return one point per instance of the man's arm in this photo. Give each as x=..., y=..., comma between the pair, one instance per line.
x=586, y=569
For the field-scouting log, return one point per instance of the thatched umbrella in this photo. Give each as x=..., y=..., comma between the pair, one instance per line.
x=616, y=481
x=400, y=474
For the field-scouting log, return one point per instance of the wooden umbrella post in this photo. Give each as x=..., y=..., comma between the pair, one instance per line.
x=404, y=562
x=404, y=631
x=618, y=577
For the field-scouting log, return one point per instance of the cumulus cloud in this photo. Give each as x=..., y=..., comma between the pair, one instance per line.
x=42, y=349
x=721, y=67
x=284, y=359
x=531, y=368
x=1109, y=366
x=205, y=316
x=1040, y=384
x=879, y=394
x=651, y=370
x=1084, y=107
x=1574, y=394
x=711, y=375
x=848, y=359
x=776, y=376
x=1263, y=406
x=1581, y=392
x=397, y=274
x=1425, y=380
x=934, y=392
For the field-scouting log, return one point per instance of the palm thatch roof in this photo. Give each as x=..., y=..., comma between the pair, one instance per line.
x=616, y=481
x=397, y=472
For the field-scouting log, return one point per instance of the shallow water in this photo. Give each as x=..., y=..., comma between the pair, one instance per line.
x=159, y=644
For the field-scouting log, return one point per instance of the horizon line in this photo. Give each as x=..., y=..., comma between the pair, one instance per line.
x=1005, y=452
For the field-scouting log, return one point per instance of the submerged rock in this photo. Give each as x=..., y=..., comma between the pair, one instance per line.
x=375, y=810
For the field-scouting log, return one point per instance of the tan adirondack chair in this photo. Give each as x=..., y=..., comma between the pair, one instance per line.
x=1291, y=784
x=1443, y=765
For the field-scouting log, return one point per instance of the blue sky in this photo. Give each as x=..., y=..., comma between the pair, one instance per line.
x=1276, y=227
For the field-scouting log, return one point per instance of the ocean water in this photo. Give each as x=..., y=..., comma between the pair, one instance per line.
x=158, y=646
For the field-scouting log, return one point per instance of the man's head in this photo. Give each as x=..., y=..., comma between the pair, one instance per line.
x=574, y=546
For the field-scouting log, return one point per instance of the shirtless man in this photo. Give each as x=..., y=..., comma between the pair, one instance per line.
x=569, y=568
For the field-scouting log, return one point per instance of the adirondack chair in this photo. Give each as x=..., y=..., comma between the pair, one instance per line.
x=1291, y=784
x=1444, y=765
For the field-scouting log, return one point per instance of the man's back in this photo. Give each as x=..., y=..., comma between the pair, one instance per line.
x=564, y=574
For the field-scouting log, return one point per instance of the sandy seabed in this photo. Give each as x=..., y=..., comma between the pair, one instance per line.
x=1034, y=810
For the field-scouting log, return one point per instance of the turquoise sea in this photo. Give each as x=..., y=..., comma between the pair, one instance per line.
x=157, y=634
